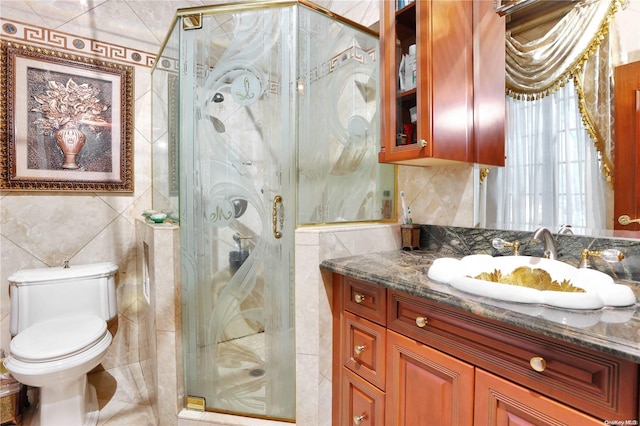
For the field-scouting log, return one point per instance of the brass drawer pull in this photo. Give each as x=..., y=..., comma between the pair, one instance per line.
x=538, y=364
x=359, y=298
x=358, y=419
x=421, y=321
x=359, y=349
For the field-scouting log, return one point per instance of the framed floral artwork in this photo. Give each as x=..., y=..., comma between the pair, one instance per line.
x=66, y=121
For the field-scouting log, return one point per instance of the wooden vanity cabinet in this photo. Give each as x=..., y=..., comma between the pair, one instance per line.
x=411, y=361
x=425, y=386
x=364, y=403
x=359, y=373
x=500, y=402
x=604, y=386
x=459, y=97
x=363, y=344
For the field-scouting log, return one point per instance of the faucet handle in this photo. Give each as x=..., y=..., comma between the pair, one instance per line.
x=565, y=230
x=237, y=237
x=608, y=255
x=500, y=244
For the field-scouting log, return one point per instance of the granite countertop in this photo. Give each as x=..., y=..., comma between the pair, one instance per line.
x=615, y=331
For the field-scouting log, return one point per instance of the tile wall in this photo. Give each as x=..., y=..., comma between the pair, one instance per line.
x=160, y=332
x=160, y=354
x=42, y=229
x=45, y=229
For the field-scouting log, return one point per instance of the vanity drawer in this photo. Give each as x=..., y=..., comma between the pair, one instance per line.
x=364, y=299
x=362, y=403
x=603, y=386
x=363, y=348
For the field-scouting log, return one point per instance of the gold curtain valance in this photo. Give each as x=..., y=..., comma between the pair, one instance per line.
x=578, y=47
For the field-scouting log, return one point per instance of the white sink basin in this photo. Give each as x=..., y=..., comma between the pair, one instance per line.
x=599, y=288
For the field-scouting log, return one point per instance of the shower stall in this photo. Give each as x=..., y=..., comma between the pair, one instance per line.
x=265, y=118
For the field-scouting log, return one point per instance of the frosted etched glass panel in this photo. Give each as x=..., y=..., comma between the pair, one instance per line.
x=264, y=118
x=339, y=178
x=236, y=210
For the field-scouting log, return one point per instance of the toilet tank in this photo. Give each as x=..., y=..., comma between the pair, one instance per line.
x=49, y=293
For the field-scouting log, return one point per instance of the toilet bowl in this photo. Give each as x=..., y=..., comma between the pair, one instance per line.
x=60, y=334
x=56, y=356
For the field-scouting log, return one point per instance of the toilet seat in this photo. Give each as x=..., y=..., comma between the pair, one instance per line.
x=57, y=339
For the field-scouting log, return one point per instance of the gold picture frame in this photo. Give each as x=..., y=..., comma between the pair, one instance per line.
x=66, y=121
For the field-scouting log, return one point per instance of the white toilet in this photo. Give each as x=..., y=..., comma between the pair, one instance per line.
x=59, y=323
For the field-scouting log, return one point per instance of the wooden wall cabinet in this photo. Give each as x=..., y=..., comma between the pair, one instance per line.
x=459, y=98
x=406, y=361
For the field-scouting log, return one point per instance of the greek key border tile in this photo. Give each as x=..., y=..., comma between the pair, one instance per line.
x=15, y=30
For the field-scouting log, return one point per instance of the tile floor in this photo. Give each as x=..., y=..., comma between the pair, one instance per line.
x=122, y=397
x=124, y=400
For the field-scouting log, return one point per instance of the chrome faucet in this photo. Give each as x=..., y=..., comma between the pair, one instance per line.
x=542, y=234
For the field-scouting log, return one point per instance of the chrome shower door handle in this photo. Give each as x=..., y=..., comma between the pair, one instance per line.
x=276, y=200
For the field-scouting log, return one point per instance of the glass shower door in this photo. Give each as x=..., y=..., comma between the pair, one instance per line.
x=265, y=118
x=236, y=212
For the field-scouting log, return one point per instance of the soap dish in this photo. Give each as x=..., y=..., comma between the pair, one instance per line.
x=158, y=217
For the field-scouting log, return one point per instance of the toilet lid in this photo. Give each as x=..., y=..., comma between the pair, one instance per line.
x=59, y=338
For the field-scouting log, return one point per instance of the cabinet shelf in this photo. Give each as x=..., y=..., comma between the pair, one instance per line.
x=406, y=17
x=407, y=94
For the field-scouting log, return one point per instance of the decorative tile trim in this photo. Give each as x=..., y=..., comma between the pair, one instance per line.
x=352, y=53
x=28, y=33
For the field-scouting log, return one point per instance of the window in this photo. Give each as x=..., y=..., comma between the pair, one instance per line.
x=551, y=175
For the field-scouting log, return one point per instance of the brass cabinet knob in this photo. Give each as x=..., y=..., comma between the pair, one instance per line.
x=421, y=321
x=359, y=298
x=359, y=349
x=538, y=364
x=358, y=419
